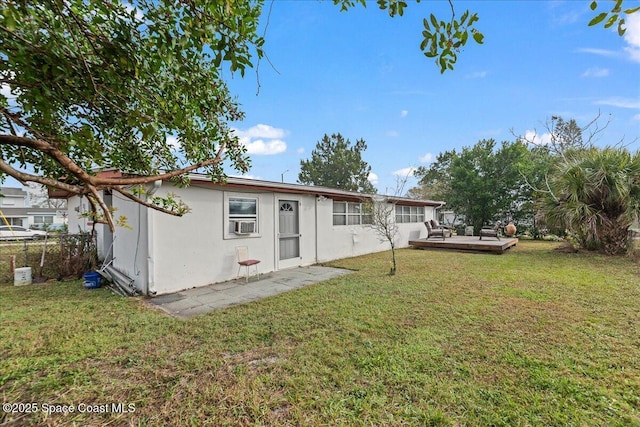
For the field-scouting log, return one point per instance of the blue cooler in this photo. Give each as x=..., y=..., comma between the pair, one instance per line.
x=91, y=280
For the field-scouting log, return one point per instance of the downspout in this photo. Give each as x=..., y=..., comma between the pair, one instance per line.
x=150, y=284
x=316, y=227
x=438, y=207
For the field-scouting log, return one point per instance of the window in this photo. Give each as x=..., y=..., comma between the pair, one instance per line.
x=42, y=219
x=241, y=215
x=407, y=214
x=15, y=221
x=349, y=213
x=243, y=208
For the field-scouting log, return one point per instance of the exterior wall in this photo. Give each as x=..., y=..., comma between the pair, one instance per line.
x=57, y=219
x=343, y=241
x=165, y=254
x=76, y=222
x=129, y=243
x=75, y=207
x=197, y=250
x=190, y=251
x=13, y=201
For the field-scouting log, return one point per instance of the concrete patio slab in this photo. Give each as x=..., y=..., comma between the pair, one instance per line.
x=193, y=302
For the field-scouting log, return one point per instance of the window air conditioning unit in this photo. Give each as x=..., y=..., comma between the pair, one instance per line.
x=244, y=227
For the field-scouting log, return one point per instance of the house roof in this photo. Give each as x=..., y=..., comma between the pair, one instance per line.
x=24, y=212
x=11, y=191
x=333, y=193
x=240, y=184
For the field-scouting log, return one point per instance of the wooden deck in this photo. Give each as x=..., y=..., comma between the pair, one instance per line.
x=467, y=243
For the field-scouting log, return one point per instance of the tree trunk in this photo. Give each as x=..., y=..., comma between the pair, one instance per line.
x=614, y=236
x=393, y=256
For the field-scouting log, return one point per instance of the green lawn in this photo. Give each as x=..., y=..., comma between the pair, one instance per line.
x=531, y=337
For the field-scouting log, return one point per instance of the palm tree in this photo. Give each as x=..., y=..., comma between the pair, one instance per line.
x=595, y=195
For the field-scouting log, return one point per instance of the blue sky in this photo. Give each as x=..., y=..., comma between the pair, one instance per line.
x=361, y=74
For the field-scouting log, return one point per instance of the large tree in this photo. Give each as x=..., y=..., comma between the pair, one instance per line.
x=483, y=183
x=336, y=163
x=137, y=86
x=98, y=84
x=595, y=194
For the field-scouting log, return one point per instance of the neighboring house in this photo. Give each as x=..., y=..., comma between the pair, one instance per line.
x=283, y=225
x=16, y=211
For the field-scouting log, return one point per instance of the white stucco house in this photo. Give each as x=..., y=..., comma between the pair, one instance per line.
x=16, y=210
x=283, y=225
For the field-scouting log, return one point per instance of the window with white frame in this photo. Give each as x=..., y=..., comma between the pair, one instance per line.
x=407, y=214
x=43, y=219
x=241, y=214
x=350, y=213
x=15, y=221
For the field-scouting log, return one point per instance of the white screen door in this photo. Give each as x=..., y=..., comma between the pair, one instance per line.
x=288, y=234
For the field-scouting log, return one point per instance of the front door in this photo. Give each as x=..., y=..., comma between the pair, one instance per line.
x=288, y=234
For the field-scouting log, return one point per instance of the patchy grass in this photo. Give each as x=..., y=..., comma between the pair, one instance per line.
x=531, y=337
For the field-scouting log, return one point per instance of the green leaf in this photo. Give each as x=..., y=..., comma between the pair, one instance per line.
x=478, y=37
x=612, y=20
x=630, y=11
x=621, y=28
x=434, y=22
x=598, y=19
x=618, y=7
x=593, y=5
x=10, y=21
x=464, y=38
x=464, y=16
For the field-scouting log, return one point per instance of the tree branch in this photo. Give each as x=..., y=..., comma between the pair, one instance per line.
x=95, y=198
x=162, y=177
x=51, y=151
x=25, y=177
x=130, y=196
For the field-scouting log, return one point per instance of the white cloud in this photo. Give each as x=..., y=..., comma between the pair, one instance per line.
x=596, y=72
x=372, y=178
x=600, y=52
x=619, y=102
x=532, y=136
x=427, y=158
x=632, y=36
x=261, y=148
x=300, y=150
x=263, y=139
x=392, y=133
x=636, y=117
x=405, y=172
x=404, y=113
x=477, y=75
x=172, y=142
x=261, y=131
x=130, y=8
x=5, y=90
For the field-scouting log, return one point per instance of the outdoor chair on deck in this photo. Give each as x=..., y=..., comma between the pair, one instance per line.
x=434, y=229
x=242, y=255
x=491, y=231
